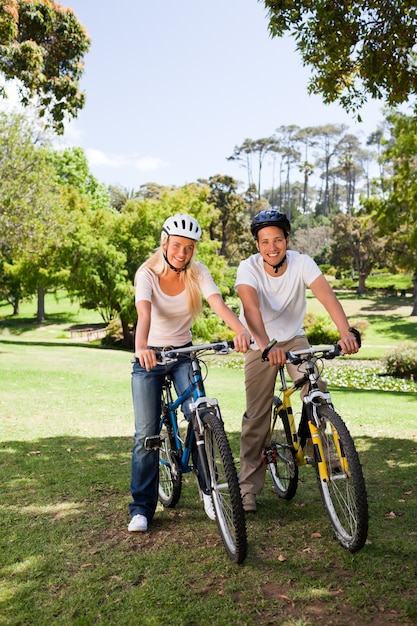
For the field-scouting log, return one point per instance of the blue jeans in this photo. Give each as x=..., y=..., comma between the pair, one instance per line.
x=146, y=394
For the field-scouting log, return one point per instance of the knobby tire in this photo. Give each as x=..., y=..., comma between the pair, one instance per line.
x=344, y=495
x=283, y=470
x=170, y=478
x=227, y=500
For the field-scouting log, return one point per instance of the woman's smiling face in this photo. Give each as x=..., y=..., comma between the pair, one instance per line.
x=179, y=250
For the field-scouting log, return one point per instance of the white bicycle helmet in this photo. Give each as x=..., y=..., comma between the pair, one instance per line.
x=183, y=226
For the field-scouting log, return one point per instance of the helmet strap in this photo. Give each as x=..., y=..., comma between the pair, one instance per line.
x=178, y=270
x=278, y=265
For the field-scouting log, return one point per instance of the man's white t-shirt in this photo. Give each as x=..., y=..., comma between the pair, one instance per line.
x=170, y=318
x=282, y=299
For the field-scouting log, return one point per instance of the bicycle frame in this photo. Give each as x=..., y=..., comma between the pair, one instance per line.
x=312, y=398
x=214, y=466
x=197, y=391
x=335, y=459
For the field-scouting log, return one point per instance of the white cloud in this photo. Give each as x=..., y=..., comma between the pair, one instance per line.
x=117, y=161
x=98, y=157
x=150, y=164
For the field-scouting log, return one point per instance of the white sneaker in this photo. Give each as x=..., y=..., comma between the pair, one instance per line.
x=138, y=523
x=208, y=506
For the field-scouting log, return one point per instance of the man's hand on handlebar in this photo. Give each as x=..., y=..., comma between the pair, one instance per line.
x=351, y=342
x=274, y=354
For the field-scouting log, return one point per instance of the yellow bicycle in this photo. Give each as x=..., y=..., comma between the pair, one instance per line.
x=322, y=440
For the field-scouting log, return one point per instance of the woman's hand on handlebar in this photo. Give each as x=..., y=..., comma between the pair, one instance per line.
x=147, y=358
x=241, y=342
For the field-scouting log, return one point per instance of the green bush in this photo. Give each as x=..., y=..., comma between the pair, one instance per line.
x=320, y=329
x=209, y=327
x=402, y=362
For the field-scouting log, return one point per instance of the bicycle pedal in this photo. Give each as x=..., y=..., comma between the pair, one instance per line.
x=269, y=455
x=153, y=443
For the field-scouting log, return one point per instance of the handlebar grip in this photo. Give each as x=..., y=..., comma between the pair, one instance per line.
x=292, y=358
x=357, y=334
x=336, y=351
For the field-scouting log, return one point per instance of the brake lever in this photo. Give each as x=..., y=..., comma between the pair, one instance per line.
x=267, y=350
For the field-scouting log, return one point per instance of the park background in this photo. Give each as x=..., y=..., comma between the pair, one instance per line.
x=70, y=244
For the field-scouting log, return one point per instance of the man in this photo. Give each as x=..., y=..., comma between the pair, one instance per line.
x=272, y=288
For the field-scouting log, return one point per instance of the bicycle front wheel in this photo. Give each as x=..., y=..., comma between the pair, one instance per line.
x=282, y=464
x=170, y=478
x=344, y=494
x=225, y=490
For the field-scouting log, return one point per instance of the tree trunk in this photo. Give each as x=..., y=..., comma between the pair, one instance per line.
x=40, y=315
x=414, y=311
x=361, y=283
x=127, y=335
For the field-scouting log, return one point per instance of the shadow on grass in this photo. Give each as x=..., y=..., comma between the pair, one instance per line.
x=407, y=396
x=395, y=326
x=64, y=343
x=380, y=302
x=63, y=519
x=20, y=325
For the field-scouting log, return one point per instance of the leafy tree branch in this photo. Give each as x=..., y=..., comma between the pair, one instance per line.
x=42, y=44
x=355, y=48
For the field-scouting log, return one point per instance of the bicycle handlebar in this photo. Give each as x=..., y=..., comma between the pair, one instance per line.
x=298, y=356
x=325, y=352
x=221, y=347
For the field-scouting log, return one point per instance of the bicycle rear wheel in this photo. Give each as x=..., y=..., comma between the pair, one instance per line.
x=282, y=466
x=170, y=478
x=344, y=495
x=225, y=490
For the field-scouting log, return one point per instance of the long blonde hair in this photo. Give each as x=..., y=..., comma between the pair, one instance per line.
x=158, y=265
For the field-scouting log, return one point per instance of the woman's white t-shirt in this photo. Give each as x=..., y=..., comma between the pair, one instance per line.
x=282, y=299
x=170, y=318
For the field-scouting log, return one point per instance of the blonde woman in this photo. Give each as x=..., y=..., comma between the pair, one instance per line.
x=168, y=298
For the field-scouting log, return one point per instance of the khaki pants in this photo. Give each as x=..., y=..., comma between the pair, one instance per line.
x=260, y=378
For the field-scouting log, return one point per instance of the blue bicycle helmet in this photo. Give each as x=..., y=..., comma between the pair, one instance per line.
x=270, y=217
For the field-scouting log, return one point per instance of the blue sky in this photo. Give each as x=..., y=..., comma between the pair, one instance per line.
x=173, y=86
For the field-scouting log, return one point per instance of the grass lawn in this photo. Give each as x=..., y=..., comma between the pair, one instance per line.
x=66, y=426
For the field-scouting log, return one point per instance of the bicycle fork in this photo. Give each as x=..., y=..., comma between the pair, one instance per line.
x=197, y=420
x=315, y=425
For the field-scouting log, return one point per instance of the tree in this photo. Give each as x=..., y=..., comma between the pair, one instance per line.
x=313, y=241
x=259, y=148
x=327, y=145
x=42, y=44
x=287, y=138
x=356, y=49
x=29, y=204
x=396, y=212
x=349, y=169
x=71, y=166
x=305, y=137
x=355, y=244
x=231, y=222
x=120, y=195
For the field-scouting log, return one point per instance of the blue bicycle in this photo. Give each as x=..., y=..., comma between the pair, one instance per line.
x=205, y=432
